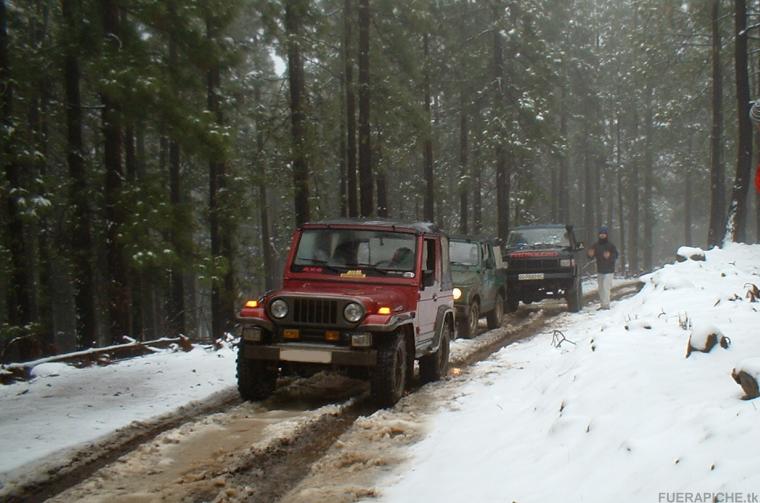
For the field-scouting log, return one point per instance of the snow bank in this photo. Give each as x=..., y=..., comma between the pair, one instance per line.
x=64, y=407
x=620, y=415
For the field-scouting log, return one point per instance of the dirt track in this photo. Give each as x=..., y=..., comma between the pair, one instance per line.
x=315, y=439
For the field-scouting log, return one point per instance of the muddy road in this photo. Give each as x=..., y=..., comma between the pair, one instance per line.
x=314, y=439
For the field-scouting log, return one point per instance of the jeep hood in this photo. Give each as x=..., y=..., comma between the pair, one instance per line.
x=372, y=296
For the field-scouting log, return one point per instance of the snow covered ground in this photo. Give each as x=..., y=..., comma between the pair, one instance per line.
x=616, y=412
x=65, y=407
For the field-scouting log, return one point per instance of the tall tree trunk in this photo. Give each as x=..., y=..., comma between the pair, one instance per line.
x=564, y=171
x=687, y=208
x=588, y=192
x=477, y=199
x=633, y=191
x=176, y=315
x=621, y=218
x=365, y=161
x=118, y=291
x=717, y=183
x=343, y=153
x=502, y=176
x=295, y=10
x=19, y=290
x=427, y=138
x=222, y=299
x=80, y=233
x=264, y=220
x=736, y=226
x=382, y=194
x=464, y=177
x=648, y=183
x=350, y=109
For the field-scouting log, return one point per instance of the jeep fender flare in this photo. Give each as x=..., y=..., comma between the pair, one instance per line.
x=444, y=313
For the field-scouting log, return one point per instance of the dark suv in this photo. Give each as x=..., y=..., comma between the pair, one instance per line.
x=371, y=295
x=543, y=261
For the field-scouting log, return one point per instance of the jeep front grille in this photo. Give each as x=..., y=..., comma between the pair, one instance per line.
x=315, y=311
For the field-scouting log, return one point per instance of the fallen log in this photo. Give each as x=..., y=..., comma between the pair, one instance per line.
x=95, y=356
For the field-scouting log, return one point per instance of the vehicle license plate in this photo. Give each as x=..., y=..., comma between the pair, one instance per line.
x=535, y=275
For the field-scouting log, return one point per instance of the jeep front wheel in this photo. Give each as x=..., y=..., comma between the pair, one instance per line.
x=497, y=314
x=256, y=379
x=468, y=327
x=388, y=379
x=435, y=366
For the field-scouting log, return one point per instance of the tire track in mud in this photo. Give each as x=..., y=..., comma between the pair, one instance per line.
x=281, y=466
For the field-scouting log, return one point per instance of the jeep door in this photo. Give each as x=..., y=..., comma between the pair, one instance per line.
x=430, y=291
x=488, y=268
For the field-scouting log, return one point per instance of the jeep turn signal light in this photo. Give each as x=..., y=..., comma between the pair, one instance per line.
x=332, y=335
x=291, y=333
x=252, y=303
x=384, y=310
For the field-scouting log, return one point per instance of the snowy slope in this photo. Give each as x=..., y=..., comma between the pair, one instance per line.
x=621, y=415
x=64, y=407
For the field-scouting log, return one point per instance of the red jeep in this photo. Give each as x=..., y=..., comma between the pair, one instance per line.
x=357, y=294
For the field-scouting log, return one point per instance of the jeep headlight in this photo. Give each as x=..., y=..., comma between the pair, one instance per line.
x=279, y=309
x=566, y=262
x=353, y=312
x=457, y=293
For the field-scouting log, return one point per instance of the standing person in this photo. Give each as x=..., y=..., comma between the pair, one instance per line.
x=605, y=254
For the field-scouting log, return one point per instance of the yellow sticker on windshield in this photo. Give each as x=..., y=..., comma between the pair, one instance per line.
x=356, y=273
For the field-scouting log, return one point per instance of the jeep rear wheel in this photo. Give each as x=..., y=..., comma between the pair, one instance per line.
x=496, y=315
x=256, y=379
x=388, y=379
x=435, y=366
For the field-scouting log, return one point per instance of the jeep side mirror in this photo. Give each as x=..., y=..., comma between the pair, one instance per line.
x=428, y=278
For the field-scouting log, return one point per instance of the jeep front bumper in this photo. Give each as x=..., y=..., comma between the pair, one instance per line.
x=312, y=353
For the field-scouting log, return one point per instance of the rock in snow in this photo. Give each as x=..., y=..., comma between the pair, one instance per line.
x=685, y=253
x=747, y=374
x=704, y=338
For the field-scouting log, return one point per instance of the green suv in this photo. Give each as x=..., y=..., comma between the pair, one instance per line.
x=480, y=283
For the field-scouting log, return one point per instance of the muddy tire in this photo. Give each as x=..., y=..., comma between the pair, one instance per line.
x=256, y=379
x=496, y=315
x=512, y=303
x=435, y=366
x=575, y=297
x=388, y=378
x=468, y=326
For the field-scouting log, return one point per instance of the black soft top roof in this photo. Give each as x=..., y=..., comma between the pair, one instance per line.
x=418, y=227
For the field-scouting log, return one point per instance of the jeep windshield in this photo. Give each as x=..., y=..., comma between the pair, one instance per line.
x=539, y=237
x=463, y=253
x=374, y=253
